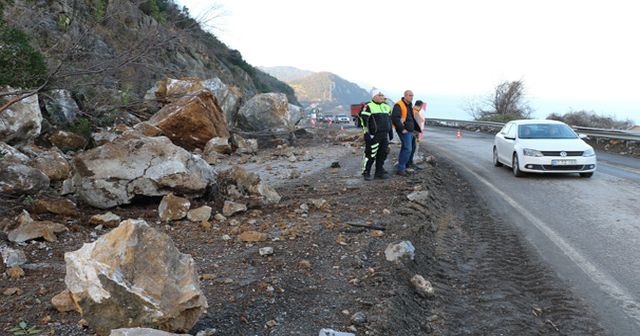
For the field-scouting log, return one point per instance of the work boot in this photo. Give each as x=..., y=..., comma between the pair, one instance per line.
x=383, y=176
x=367, y=176
x=402, y=173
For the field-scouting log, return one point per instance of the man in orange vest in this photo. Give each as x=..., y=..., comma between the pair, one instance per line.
x=405, y=124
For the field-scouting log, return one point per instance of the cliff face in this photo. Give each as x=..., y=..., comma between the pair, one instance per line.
x=109, y=52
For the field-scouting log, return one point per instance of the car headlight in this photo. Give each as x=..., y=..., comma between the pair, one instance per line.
x=589, y=152
x=531, y=152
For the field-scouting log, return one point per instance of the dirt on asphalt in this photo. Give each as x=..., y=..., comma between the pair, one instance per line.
x=328, y=269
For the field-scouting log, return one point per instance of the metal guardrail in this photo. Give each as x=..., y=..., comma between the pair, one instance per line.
x=589, y=131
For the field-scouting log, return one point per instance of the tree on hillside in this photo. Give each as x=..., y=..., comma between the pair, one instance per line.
x=505, y=104
x=68, y=52
x=108, y=53
x=591, y=119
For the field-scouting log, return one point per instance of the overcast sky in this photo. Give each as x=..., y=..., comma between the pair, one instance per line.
x=577, y=54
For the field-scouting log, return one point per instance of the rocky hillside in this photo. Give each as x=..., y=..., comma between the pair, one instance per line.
x=109, y=53
x=325, y=90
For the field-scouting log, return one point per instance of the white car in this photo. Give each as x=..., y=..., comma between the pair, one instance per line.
x=342, y=118
x=542, y=146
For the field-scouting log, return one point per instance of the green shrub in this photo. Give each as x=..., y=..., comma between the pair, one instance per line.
x=23, y=329
x=21, y=65
x=156, y=9
x=82, y=127
x=63, y=22
x=100, y=9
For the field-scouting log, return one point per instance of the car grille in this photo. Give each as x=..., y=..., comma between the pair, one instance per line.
x=557, y=153
x=571, y=167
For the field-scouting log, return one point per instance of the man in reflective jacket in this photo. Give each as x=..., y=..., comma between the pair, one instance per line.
x=376, y=126
x=405, y=124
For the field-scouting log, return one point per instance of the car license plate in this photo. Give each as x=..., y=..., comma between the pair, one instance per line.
x=562, y=162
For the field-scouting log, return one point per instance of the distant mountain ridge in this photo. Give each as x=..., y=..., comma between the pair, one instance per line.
x=324, y=90
x=286, y=73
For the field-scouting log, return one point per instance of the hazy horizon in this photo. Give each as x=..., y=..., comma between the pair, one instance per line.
x=576, y=54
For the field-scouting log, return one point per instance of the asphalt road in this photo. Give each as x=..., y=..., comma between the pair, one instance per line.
x=586, y=229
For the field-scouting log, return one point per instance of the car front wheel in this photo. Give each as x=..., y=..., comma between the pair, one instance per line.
x=516, y=166
x=496, y=162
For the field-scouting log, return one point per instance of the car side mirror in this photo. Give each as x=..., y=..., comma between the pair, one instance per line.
x=582, y=136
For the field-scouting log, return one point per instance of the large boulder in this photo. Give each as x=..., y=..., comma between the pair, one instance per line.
x=61, y=108
x=228, y=98
x=18, y=179
x=116, y=172
x=192, y=120
x=169, y=90
x=266, y=111
x=134, y=276
x=22, y=121
x=51, y=162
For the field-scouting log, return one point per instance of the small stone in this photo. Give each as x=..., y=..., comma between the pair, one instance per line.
x=226, y=237
x=265, y=251
x=386, y=211
x=12, y=257
x=252, y=236
x=207, y=276
x=15, y=272
x=305, y=264
x=63, y=301
x=377, y=233
x=341, y=240
x=318, y=203
x=359, y=318
x=229, y=208
x=12, y=291
x=108, y=219
x=271, y=323
x=206, y=225
x=200, y=214
x=422, y=286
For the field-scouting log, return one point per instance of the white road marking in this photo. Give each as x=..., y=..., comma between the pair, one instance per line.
x=606, y=283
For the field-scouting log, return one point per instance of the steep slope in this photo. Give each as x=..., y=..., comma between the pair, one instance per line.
x=108, y=53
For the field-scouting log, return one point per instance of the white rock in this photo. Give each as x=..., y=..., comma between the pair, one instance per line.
x=266, y=251
x=394, y=252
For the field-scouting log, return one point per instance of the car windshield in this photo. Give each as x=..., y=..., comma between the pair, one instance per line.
x=546, y=131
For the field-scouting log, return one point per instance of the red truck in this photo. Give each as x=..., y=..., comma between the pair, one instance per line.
x=355, y=112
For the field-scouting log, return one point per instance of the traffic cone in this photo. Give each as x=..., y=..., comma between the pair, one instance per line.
x=458, y=135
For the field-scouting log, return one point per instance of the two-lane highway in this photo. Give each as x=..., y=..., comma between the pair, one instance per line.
x=586, y=229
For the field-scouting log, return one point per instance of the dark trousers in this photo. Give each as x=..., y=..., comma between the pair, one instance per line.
x=413, y=150
x=375, y=150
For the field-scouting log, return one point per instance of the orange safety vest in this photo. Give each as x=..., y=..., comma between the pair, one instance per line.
x=403, y=111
